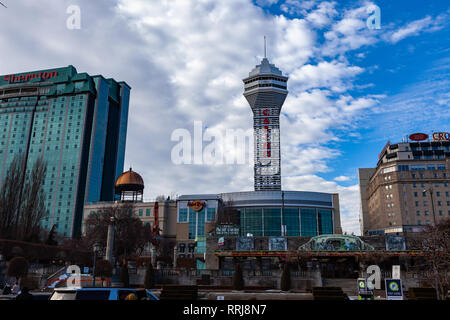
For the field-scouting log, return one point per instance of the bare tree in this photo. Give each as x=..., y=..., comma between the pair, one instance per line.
x=435, y=245
x=130, y=237
x=22, y=205
x=33, y=208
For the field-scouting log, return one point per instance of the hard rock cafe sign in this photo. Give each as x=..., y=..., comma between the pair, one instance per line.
x=197, y=205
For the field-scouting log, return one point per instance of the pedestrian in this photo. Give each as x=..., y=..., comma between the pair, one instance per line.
x=24, y=295
x=15, y=288
x=7, y=289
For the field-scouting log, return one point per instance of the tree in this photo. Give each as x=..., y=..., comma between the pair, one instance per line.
x=17, y=268
x=285, y=283
x=238, y=279
x=435, y=246
x=130, y=237
x=124, y=275
x=103, y=269
x=51, y=237
x=22, y=205
x=149, y=280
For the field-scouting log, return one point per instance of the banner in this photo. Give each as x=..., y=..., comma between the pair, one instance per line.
x=394, y=289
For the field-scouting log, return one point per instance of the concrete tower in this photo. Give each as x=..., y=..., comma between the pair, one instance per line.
x=265, y=91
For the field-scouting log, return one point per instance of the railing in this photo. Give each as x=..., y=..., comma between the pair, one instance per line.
x=229, y=273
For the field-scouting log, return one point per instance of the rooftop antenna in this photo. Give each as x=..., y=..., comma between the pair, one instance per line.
x=265, y=46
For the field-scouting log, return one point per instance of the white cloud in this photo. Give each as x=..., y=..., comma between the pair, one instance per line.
x=414, y=28
x=185, y=60
x=342, y=178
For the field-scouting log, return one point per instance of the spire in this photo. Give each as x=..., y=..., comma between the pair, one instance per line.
x=265, y=48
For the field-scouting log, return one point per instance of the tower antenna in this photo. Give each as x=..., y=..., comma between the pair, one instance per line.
x=265, y=46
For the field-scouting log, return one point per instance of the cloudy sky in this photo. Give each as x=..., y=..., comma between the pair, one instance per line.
x=351, y=87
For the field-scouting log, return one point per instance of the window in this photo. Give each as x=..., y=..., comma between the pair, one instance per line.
x=253, y=221
x=272, y=222
x=140, y=212
x=308, y=222
x=291, y=221
x=147, y=212
x=210, y=215
x=417, y=213
x=183, y=215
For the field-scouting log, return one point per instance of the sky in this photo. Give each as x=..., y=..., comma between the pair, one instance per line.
x=352, y=87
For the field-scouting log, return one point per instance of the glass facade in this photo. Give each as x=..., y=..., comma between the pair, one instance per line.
x=298, y=221
x=66, y=122
x=308, y=222
x=292, y=222
x=272, y=221
x=325, y=221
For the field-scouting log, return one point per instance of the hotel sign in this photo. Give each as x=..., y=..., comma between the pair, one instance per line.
x=384, y=149
x=418, y=137
x=441, y=136
x=30, y=76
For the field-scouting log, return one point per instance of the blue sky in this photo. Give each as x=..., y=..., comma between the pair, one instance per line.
x=396, y=69
x=350, y=88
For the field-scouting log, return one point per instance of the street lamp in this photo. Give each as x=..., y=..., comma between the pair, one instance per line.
x=430, y=190
x=97, y=247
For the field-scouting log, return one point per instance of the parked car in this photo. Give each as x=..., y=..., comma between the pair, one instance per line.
x=100, y=294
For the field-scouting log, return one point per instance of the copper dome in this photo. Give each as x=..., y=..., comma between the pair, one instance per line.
x=129, y=181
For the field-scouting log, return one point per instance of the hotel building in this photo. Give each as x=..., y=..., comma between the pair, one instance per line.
x=409, y=188
x=77, y=124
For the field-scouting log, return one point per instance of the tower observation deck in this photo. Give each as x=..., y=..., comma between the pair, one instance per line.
x=265, y=91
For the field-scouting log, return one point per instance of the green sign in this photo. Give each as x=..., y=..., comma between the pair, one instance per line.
x=394, y=289
x=227, y=230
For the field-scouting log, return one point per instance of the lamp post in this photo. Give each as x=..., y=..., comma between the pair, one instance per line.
x=97, y=247
x=430, y=190
x=110, y=240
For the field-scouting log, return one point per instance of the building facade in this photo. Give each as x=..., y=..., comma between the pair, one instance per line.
x=265, y=91
x=409, y=188
x=273, y=216
x=77, y=124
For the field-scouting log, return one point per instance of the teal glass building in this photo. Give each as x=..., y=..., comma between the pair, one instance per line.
x=75, y=122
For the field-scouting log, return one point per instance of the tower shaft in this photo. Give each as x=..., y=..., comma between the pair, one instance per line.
x=265, y=91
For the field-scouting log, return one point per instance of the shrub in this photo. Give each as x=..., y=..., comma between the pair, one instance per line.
x=17, y=268
x=285, y=283
x=238, y=279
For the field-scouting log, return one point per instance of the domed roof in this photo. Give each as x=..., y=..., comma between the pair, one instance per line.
x=129, y=181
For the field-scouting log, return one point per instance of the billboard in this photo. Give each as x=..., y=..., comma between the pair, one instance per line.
x=395, y=243
x=277, y=244
x=244, y=244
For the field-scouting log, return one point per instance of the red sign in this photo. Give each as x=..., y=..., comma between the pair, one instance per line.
x=441, y=136
x=418, y=137
x=197, y=205
x=267, y=121
x=27, y=77
x=384, y=149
